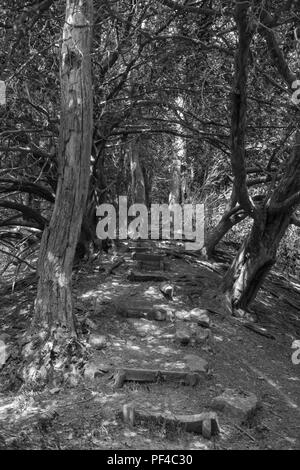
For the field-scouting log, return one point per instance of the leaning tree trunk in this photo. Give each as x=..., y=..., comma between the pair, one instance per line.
x=53, y=305
x=218, y=233
x=254, y=260
x=232, y=216
x=258, y=253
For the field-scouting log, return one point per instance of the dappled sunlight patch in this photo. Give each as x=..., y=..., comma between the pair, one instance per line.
x=163, y=350
x=198, y=446
x=129, y=433
x=7, y=409
x=218, y=338
x=149, y=344
x=276, y=386
x=133, y=347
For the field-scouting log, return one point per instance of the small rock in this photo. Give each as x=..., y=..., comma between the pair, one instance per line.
x=94, y=370
x=167, y=289
x=97, y=341
x=244, y=315
x=182, y=315
x=196, y=363
x=236, y=404
x=158, y=315
x=201, y=316
x=183, y=336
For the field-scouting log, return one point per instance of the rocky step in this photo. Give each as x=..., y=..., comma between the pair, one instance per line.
x=237, y=404
x=150, y=266
x=205, y=423
x=154, y=375
x=138, y=249
x=149, y=261
x=156, y=276
x=147, y=313
x=148, y=257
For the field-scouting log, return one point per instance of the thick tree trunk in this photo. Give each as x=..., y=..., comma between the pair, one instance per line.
x=53, y=304
x=258, y=253
x=255, y=259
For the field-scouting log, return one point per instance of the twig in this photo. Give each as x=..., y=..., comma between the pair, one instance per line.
x=244, y=432
x=115, y=265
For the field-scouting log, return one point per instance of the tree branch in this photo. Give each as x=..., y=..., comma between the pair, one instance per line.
x=239, y=108
x=26, y=187
x=27, y=212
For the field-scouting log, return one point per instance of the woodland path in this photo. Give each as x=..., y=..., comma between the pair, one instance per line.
x=88, y=415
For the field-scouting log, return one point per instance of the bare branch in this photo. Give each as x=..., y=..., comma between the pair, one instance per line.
x=26, y=187
x=27, y=212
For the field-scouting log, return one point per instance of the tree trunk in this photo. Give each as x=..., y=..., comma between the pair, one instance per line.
x=218, y=233
x=258, y=253
x=137, y=175
x=179, y=154
x=229, y=219
x=255, y=259
x=88, y=242
x=233, y=214
x=53, y=305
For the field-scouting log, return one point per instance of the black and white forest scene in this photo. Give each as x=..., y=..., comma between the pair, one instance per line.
x=149, y=227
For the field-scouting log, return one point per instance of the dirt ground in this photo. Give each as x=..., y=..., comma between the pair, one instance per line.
x=87, y=416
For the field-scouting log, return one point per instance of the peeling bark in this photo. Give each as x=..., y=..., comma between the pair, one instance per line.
x=53, y=305
x=257, y=254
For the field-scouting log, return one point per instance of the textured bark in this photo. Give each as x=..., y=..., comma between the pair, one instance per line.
x=179, y=153
x=254, y=260
x=239, y=107
x=53, y=304
x=137, y=175
x=88, y=242
x=228, y=220
x=175, y=192
x=258, y=253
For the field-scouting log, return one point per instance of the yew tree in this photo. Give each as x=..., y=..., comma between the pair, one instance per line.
x=53, y=305
x=273, y=211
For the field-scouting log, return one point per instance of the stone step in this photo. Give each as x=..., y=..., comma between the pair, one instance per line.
x=147, y=266
x=138, y=249
x=154, y=375
x=155, y=276
x=149, y=257
x=147, y=313
x=203, y=423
